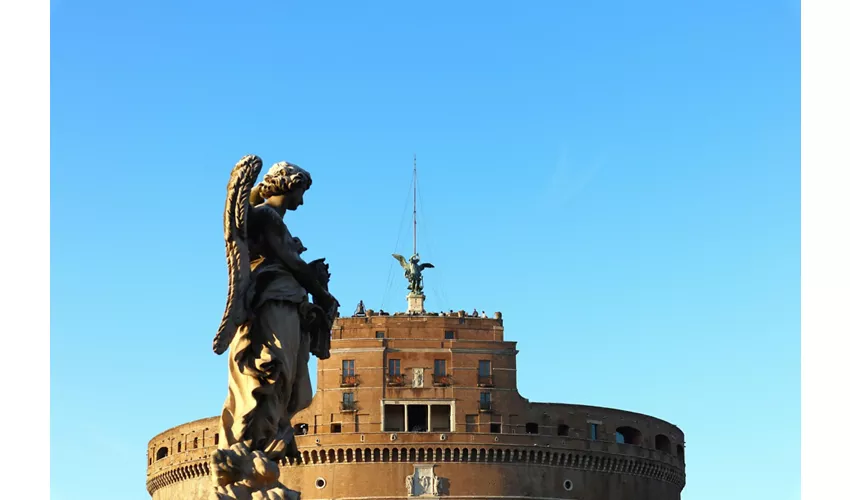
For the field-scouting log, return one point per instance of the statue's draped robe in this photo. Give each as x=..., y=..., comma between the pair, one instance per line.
x=269, y=379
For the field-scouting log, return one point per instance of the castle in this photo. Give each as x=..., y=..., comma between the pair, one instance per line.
x=421, y=404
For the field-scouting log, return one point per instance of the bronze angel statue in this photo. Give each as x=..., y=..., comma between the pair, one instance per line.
x=413, y=271
x=269, y=323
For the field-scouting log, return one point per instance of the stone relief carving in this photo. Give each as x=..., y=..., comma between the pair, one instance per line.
x=424, y=483
x=268, y=313
x=418, y=377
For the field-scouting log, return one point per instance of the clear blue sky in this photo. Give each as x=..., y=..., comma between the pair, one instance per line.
x=620, y=179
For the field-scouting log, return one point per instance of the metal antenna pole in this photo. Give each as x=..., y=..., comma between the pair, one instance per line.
x=414, y=204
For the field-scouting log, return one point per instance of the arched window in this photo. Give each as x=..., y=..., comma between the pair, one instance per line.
x=628, y=435
x=161, y=453
x=195, y=443
x=662, y=443
x=531, y=428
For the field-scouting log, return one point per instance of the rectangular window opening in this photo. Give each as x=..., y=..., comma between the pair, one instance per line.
x=441, y=418
x=336, y=428
x=495, y=428
x=394, y=418
x=450, y=335
x=417, y=418
x=379, y=335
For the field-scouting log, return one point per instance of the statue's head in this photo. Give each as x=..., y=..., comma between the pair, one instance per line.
x=414, y=258
x=287, y=181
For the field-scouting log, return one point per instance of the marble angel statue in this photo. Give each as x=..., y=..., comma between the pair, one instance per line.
x=269, y=325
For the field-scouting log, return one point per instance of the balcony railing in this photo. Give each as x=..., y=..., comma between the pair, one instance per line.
x=442, y=380
x=349, y=380
x=347, y=406
x=395, y=380
x=485, y=381
x=485, y=406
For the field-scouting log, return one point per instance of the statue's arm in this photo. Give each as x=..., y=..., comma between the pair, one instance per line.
x=302, y=271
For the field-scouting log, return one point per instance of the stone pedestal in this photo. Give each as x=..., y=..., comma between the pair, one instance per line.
x=415, y=303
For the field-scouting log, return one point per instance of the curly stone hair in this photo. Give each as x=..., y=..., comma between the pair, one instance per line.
x=282, y=178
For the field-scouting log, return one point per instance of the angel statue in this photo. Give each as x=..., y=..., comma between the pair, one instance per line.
x=270, y=327
x=413, y=271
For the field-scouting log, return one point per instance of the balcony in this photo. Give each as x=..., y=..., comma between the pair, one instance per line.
x=485, y=406
x=348, y=406
x=395, y=380
x=349, y=380
x=441, y=380
x=485, y=381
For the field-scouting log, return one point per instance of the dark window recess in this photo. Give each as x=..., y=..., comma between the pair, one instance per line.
x=161, y=453
x=195, y=443
x=379, y=335
x=336, y=428
x=216, y=438
x=450, y=335
x=563, y=430
x=628, y=435
x=531, y=428
x=347, y=367
x=594, y=432
x=302, y=429
x=393, y=418
x=495, y=428
x=417, y=418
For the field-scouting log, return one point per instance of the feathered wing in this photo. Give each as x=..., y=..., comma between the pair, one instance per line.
x=401, y=260
x=427, y=265
x=237, y=208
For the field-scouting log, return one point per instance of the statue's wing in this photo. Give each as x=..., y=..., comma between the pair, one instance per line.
x=427, y=265
x=236, y=213
x=401, y=260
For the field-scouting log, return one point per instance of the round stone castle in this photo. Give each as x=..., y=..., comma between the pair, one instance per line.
x=426, y=405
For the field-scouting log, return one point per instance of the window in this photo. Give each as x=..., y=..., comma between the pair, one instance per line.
x=485, y=376
x=179, y=447
x=441, y=418
x=379, y=335
x=450, y=335
x=347, y=367
x=563, y=430
x=440, y=367
x=484, y=368
x=484, y=403
x=161, y=453
x=395, y=367
x=301, y=429
x=216, y=438
x=336, y=428
x=662, y=443
x=495, y=428
x=594, y=432
x=628, y=435
x=195, y=443
x=417, y=418
x=348, y=399
x=393, y=418
x=531, y=428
